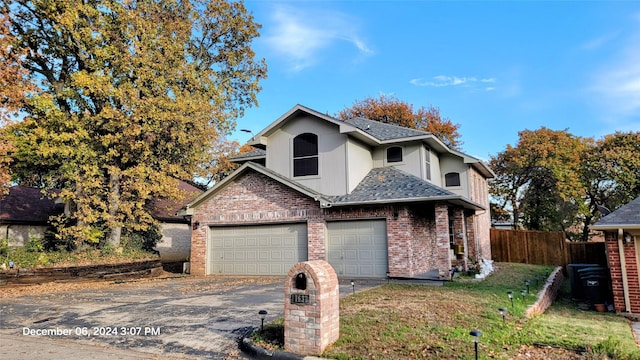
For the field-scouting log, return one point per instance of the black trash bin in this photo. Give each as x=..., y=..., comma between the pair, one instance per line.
x=595, y=282
x=577, y=289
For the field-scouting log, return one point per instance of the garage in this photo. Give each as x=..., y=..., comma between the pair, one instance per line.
x=358, y=248
x=256, y=250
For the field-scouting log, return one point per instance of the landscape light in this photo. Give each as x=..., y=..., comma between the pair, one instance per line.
x=353, y=286
x=523, y=292
x=476, y=338
x=527, y=283
x=503, y=312
x=510, y=294
x=263, y=315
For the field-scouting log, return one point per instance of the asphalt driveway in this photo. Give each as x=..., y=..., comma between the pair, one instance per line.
x=173, y=317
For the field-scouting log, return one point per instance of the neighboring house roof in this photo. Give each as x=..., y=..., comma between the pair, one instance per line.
x=625, y=217
x=27, y=205
x=390, y=185
x=166, y=210
x=380, y=186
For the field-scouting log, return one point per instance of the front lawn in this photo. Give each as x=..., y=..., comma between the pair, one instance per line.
x=401, y=321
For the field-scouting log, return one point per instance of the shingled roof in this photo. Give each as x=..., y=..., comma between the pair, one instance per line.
x=27, y=205
x=627, y=216
x=389, y=184
x=382, y=131
x=250, y=155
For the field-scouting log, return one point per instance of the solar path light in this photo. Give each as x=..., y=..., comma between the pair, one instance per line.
x=476, y=334
x=503, y=312
x=263, y=315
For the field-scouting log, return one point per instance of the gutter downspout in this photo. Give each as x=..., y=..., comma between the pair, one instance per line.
x=623, y=265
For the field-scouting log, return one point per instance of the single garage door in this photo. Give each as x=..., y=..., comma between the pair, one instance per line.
x=358, y=248
x=256, y=250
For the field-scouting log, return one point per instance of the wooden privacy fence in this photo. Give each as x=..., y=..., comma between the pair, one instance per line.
x=543, y=248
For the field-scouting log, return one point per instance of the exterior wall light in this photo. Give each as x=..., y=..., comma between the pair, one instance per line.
x=628, y=238
x=195, y=225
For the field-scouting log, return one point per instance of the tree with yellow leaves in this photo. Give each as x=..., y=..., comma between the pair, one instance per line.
x=129, y=96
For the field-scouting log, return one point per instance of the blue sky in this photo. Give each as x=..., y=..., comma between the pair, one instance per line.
x=494, y=67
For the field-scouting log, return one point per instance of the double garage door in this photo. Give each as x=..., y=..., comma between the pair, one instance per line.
x=256, y=250
x=353, y=248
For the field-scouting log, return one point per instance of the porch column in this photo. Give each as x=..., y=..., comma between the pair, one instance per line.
x=460, y=239
x=442, y=241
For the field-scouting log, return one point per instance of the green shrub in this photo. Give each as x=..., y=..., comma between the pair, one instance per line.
x=35, y=244
x=145, y=240
x=4, y=247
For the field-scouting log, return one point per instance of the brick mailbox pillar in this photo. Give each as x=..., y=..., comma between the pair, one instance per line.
x=311, y=308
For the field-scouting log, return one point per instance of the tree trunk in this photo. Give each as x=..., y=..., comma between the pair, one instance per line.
x=115, y=228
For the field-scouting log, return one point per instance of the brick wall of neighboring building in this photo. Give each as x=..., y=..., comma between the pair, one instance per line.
x=615, y=268
x=414, y=244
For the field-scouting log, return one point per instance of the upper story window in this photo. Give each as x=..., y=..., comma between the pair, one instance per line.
x=427, y=163
x=452, y=179
x=394, y=154
x=305, y=155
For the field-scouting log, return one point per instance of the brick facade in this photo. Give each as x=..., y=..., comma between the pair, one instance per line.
x=417, y=234
x=633, y=277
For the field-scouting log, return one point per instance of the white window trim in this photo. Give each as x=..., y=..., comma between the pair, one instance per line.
x=387, y=163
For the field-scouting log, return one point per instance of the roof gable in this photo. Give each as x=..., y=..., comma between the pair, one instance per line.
x=627, y=216
x=250, y=166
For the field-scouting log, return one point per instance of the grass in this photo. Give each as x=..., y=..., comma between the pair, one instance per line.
x=399, y=321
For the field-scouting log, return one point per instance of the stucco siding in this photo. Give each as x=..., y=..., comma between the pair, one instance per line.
x=332, y=175
x=449, y=164
x=359, y=163
x=19, y=235
x=175, y=244
x=411, y=158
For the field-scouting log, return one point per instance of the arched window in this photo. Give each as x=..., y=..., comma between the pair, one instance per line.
x=305, y=155
x=452, y=179
x=394, y=154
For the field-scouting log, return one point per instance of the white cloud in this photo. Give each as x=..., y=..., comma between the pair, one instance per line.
x=300, y=35
x=616, y=85
x=444, y=80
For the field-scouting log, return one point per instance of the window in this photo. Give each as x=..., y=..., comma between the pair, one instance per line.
x=394, y=154
x=305, y=155
x=427, y=163
x=452, y=179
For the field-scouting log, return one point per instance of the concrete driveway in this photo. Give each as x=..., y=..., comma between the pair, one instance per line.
x=194, y=318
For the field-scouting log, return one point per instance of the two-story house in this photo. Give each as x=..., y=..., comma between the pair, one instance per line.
x=372, y=199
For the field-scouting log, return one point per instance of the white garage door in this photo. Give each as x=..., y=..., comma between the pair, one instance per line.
x=358, y=248
x=256, y=250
